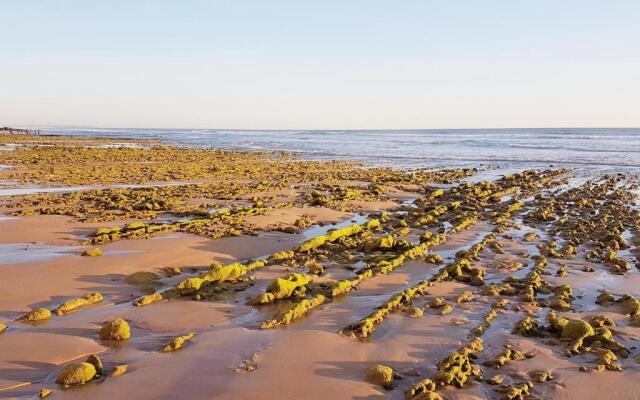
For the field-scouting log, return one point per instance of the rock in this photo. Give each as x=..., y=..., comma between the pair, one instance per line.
x=446, y=309
x=495, y=380
x=178, y=342
x=380, y=375
x=92, y=252
x=382, y=243
x=135, y=226
x=45, y=392
x=148, y=299
x=74, y=304
x=76, y=374
x=577, y=329
x=118, y=329
x=3, y=327
x=119, y=370
x=415, y=312
x=40, y=314
x=95, y=360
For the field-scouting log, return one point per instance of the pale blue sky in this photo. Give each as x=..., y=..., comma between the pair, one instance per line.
x=320, y=65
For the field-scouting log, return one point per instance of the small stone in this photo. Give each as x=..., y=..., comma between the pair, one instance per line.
x=415, y=312
x=94, y=360
x=119, y=370
x=92, y=252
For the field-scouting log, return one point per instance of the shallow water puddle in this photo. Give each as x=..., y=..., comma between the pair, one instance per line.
x=318, y=230
x=19, y=253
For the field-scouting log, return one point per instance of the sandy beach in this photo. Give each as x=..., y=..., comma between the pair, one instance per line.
x=241, y=275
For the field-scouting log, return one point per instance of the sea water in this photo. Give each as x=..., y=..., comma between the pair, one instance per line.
x=610, y=149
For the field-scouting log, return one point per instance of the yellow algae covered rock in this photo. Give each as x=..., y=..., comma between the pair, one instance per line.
x=148, y=299
x=381, y=243
x=190, y=285
x=423, y=390
x=577, y=329
x=334, y=235
x=106, y=231
x=118, y=329
x=120, y=370
x=454, y=370
x=343, y=286
x=74, y=304
x=284, y=287
x=3, y=327
x=519, y=392
x=380, y=375
x=146, y=281
x=372, y=224
x=557, y=323
x=465, y=297
x=415, y=312
x=281, y=255
x=433, y=258
x=135, y=226
x=229, y=272
x=76, y=374
x=178, y=342
x=295, y=312
x=95, y=360
x=527, y=326
x=40, y=314
x=45, y=392
x=93, y=252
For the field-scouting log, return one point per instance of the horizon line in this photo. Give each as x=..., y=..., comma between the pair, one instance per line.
x=19, y=126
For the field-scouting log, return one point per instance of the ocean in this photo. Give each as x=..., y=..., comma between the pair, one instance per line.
x=609, y=149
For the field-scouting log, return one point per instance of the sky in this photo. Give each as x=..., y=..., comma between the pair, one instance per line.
x=344, y=64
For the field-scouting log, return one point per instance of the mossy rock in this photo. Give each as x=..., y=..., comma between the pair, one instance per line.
x=577, y=329
x=380, y=375
x=120, y=370
x=178, y=342
x=95, y=360
x=135, y=226
x=3, y=327
x=146, y=281
x=76, y=374
x=74, y=304
x=118, y=329
x=148, y=299
x=40, y=314
x=94, y=252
